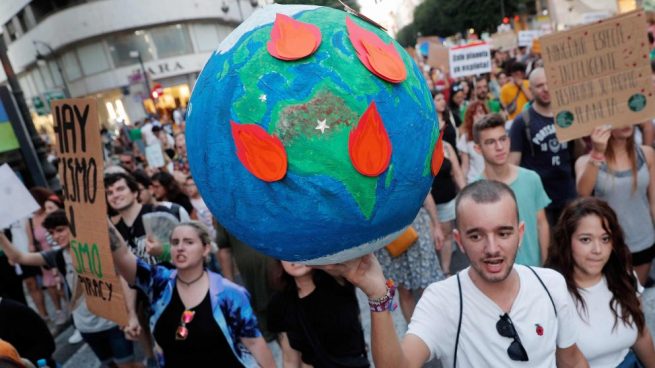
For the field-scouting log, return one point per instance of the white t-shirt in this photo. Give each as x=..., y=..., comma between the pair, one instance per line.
x=480, y=345
x=149, y=137
x=476, y=161
x=598, y=320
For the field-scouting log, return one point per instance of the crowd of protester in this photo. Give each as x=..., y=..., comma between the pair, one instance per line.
x=581, y=211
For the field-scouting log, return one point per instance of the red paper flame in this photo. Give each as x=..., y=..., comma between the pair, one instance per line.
x=292, y=39
x=378, y=57
x=369, y=145
x=261, y=153
x=437, y=155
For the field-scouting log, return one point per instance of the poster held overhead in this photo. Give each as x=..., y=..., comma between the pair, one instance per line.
x=599, y=74
x=471, y=59
x=17, y=202
x=79, y=147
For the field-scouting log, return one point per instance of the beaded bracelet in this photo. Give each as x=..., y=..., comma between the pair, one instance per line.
x=384, y=303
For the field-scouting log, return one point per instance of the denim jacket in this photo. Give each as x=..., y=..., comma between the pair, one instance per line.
x=230, y=305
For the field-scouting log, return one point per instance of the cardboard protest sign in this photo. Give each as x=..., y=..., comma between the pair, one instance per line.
x=438, y=57
x=504, y=41
x=17, y=202
x=471, y=59
x=599, y=74
x=81, y=168
x=526, y=37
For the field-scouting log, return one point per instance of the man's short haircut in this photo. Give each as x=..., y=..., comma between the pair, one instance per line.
x=142, y=178
x=484, y=191
x=111, y=179
x=516, y=66
x=487, y=122
x=55, y=219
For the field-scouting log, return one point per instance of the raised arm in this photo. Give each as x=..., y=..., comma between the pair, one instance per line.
x=15, y=255
x=388, y=352
x=650, y=159
x=124, y=260
x=587, y=166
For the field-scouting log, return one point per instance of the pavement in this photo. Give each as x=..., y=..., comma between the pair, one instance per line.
x=81, y=356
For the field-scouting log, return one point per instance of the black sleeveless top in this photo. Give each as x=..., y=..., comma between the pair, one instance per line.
x=205, y=345
x=443, y=185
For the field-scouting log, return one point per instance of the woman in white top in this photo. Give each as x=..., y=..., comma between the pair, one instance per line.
x=589, y=250
x=472, y=161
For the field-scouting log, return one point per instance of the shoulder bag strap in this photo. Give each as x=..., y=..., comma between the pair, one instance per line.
x=545, y=288
x=459, y=323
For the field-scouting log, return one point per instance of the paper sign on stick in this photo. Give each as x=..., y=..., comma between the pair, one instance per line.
x=526, y=37
x=17, y=202
x=599, y=74
x=154, y=156
x=470, y=59
x=81, y=168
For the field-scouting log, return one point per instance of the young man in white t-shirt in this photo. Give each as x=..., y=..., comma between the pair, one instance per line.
x=508, y=318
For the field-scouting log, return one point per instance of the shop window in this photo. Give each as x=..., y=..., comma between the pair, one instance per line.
x=45, y=74
x=71, y=66
x=54, y=71
x=171, y=40
x=206, y=36
x=41, y=9
x=120, y=47
x=93, y=59
x=38, y=81
x=11, y=31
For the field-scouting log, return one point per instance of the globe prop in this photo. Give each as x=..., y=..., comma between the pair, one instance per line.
x=311, y=135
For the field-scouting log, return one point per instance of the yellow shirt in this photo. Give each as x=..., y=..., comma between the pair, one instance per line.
x=507, y=94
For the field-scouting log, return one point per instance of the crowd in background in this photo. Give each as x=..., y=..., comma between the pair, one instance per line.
x=495, y=127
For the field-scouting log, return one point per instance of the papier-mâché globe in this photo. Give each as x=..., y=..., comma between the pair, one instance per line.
x=310, y=135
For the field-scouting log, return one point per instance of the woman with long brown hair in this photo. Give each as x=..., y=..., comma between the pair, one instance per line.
x=589, y=250
x=472, y=162
x=620, y=172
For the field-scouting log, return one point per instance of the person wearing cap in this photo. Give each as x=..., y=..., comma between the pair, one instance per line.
x=515, y=94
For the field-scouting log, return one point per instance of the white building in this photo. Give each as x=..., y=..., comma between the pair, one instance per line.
x=97, y=44
x=391, y=14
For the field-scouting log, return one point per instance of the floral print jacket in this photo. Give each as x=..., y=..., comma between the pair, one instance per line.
x=230, y=304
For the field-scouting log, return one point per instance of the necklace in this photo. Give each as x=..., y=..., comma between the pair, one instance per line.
x=188, y=283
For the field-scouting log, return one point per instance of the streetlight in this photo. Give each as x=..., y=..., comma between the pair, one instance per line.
x=51, y=52
x=137, y=55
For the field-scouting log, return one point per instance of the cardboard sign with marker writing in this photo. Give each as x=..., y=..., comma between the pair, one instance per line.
x=504, y=41
x=438, y=57
x=81, y=168
x=599, y=74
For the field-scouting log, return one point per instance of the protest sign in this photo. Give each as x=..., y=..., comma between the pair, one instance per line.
x=504, y=41
x=471, y=59
x=155, y=156
x=438, y=57
x=81, y=168
x=17, y=202
x=526, y=37
x=599, y=74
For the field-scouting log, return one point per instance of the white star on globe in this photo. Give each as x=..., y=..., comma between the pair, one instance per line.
x=262, y=98
x=322, y=125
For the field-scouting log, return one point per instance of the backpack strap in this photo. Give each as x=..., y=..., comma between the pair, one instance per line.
x=459, y=323
x=545, y=288
x=525, y=114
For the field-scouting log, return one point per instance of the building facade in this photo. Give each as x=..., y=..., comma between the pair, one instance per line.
x=100, y=48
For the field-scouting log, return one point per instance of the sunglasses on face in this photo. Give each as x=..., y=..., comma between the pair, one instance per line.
x=505, y=328
x=182, y=332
